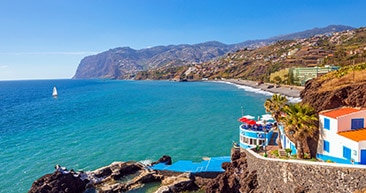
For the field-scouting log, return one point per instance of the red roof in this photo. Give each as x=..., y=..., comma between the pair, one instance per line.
x=340, y=112
x=355, y=135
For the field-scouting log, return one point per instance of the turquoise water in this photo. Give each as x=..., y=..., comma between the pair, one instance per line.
x=93, y=123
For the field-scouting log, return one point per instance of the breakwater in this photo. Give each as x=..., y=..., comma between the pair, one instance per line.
x=290, y=176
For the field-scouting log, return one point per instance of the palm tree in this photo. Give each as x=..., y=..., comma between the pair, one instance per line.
x=275, y=106
x=301, y=122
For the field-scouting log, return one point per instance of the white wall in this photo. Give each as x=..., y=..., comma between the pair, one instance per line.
x=336, y=142
x=362, y=145
x=325, y=134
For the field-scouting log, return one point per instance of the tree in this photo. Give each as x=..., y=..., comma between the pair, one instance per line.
x=277, y=79
x=275, y=106
x=301, y=122
x=290, y=78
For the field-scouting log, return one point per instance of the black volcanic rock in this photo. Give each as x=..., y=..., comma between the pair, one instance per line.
x=236, y=177
x=167, y=160
x=58, y=182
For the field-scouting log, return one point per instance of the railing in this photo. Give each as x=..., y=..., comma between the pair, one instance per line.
x=260, y=128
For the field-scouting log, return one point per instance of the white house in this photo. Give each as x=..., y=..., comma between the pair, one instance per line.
x=342, y=135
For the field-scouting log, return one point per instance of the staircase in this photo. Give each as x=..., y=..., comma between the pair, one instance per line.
x=272, y=141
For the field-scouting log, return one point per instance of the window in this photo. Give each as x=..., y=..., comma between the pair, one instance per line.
x=326, y=123
x=346, y=152
x=326, y=146
x=357, y=124
x=261, y=142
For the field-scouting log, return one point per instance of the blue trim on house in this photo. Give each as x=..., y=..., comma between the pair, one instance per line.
x=251, y=134
x=326, y=146
x=346, y=153
x=245, y=146
x=363, y=156
x=326, y=123
x=293, y=148
x=357, y=123
x=333, y=159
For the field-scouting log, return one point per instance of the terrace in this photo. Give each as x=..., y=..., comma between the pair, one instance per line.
x=255, y=133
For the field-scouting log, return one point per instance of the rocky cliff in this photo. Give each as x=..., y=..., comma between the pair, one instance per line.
x=236, y=178
x=120, y=63
x=345, y=87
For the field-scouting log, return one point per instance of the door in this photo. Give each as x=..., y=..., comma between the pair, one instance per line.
x=363, y=156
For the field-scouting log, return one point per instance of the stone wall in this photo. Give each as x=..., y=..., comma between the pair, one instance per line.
x=288, y=176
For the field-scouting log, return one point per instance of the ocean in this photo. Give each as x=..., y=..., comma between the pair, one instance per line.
x=93, y=123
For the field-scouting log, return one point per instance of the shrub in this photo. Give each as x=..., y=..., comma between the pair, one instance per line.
x=288, y=151
x=275, y=153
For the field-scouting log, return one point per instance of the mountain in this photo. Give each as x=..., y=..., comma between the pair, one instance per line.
x=293, y=36
x=125, y=62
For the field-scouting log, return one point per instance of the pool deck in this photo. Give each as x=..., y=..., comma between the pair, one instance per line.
x=211, y=165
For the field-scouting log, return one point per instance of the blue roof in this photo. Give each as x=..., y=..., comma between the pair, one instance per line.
x=211, y=165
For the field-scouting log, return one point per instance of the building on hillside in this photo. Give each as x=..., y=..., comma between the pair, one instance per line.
x=342, y=135
x=301, y=75
x=255, y=133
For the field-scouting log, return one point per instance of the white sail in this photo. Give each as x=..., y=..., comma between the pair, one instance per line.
x=54, y=93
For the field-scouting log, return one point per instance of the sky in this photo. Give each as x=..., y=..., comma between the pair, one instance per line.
x=46, y=39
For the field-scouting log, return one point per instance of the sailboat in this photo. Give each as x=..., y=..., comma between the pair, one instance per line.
x=54, y=93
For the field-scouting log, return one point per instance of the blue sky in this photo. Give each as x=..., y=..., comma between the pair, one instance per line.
x=46, y=39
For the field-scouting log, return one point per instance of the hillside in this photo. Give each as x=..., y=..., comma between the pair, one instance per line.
x=344, y=87
x=125, y=63
x=337, y=48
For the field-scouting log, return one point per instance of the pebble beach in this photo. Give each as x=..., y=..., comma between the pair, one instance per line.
x=291, y=91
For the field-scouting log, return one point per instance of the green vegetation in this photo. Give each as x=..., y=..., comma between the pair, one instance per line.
x=288, y=151
x=275, y=153
x=271, y=63
x=275, y=106
x=344, y=71
x=301, y=122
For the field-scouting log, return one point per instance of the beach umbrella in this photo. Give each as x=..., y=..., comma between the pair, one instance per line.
x=267, y=117
x=243, y=120
x=260, y=122
x=251, y=122
x=249, y=116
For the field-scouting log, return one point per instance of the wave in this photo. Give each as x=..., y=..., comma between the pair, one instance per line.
x=262, y=92
x=146, y=162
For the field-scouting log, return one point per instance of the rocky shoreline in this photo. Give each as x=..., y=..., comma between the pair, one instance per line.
x=117, y=178
x=290, y=91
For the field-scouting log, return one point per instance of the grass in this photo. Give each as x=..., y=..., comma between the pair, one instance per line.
x=343, y=77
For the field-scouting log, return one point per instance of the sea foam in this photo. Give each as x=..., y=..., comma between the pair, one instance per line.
x=262, y=92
